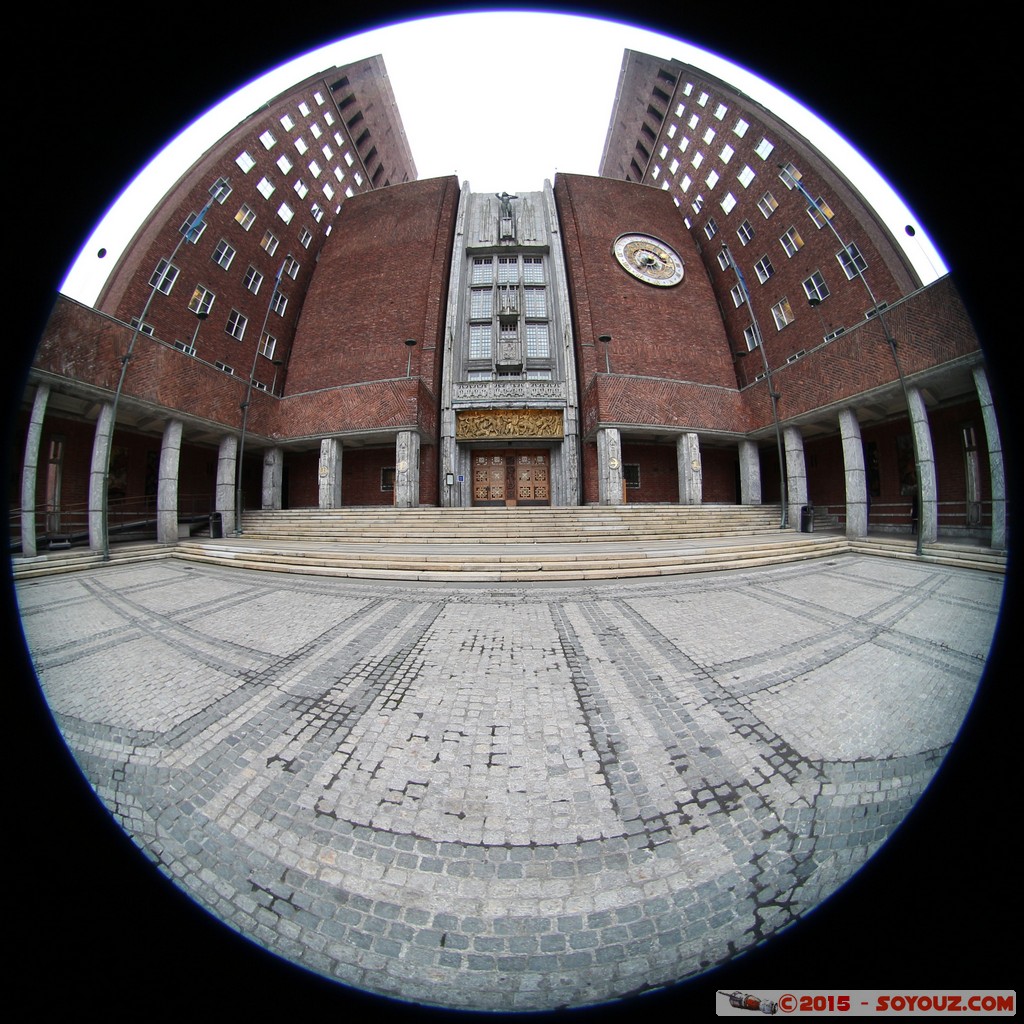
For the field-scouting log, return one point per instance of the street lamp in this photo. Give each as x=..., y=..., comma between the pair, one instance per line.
x=773, y=394
x=606, y=340
x=410, y=344
x=789, y=178
x=200, y=317
x=219, y=191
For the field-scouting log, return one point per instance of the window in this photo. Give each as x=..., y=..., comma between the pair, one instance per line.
x=682, y=144
x=317, y=211
x=738, y=298
x=821, y=213
x=224, y=367
x=387, y=478
x=304, y=108
x=687, y=89
x=300, y=145
x=764, y=269
x=201, y=301
x=698, y=204
x=538, y=345
x=301, y=187
x=253, y=280
x=631, y=475
x=751, y=337
x=694, y=121
x=816, y=288
x=314, y=168
x=188, y=227
x=789, y=176
x=686, y=183
x=269, y=243
x=783, y=314
x=483, y=270
x=223, y=254
x=284, y=164
x=287, y=123
x=479, y=341
x=533, y=269
x=709, y=136
x=268, y=140
x=672, y=129
x=764, y=149
x=328, y=118
x=728, y=203
x=142, y=327
x=792, y=242
x=267, y=345
x=741, y=128
x=327, y=152
x=703, y=98
x=481, y=304
x=285, y=212
x=745, y=232
x=721, y=110
x=348, y=159
x=236, y=325
x=851, y=260
x=663, y=152
x=698, y=159
x=726, y=155
x=245, y=217
x=319, y=97
x=508, y=269
x=279, y=303
x=535, y=302
x=315, y=130
x=220, y=190
x=305, y=238
x=723, y=260
x=712, y=179
x=767, y=204
x=746, y=176
x=291, y=267
x=245, y=161
x=711, y=228
x=673, y=167
x=265, y=188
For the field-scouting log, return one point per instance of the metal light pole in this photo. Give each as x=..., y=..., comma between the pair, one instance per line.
x=189, y=234
x=606, y=340
x=891, y=341
x=410, y=344
x=783, y=483
x=248, y=399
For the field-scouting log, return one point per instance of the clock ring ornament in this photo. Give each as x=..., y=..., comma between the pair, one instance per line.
x=648, y=259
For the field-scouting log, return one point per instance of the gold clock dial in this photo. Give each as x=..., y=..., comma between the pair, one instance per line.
x=648, y=259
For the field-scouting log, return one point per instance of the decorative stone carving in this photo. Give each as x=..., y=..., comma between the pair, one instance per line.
x=488, y=424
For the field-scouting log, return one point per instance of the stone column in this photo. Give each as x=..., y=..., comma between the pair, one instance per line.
x=224, y=498
x=330, y=473
x=856, y=476
x=796, y=474
x=30, y=471
x=102, y=440
x=750, y=474
x=167, y=485
x=691, y=474
x=407, y=469
x=273, y=475
x=927, y=490
x=609, y=467
x=997, y=471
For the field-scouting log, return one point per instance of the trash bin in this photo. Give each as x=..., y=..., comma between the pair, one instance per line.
x=216, y=526
x=807, y=519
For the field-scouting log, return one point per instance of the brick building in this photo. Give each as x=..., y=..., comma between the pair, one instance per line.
x=413, y=342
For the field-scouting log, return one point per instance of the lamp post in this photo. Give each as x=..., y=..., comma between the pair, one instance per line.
x=189, y=233
x=890, y=340
x=606, y=340
x=410, y=344
x=248, y=398
x=200, y=317
x=773, y=394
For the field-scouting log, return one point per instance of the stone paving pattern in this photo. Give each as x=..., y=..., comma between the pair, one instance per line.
x=529, y=797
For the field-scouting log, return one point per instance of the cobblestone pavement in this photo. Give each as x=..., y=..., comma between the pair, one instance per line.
x=520, y=798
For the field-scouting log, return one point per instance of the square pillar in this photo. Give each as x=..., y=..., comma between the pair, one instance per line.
x=750, y=474
x=609, y=467
x=224, y=497
x=167, y=484
x=997, y=471
x=101, y=442
x=691, y=476
x=273, y=474
x=796, y=474
x=330, y=473
x=856, y=476
x=407, y=469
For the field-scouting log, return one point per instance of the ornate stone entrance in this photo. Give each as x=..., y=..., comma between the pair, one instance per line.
x=512, y=476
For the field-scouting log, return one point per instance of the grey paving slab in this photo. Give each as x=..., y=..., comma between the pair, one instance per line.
x=522, y=797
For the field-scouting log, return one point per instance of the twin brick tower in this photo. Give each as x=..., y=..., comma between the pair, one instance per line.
x=719, y=317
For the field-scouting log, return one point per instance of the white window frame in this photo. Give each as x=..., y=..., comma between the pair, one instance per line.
x=269, y=242
x=815, y=287
x=851, y=259
x=265, y=187
x=305, y=237
x=236, y=325
x=745, y=233
x=752, y=337
x=279, y=303
x=711, y=228
x=746, y=176
x=767, y=204
x=268, y=140
x=245, y=216
x=764, y=148
x=728, y=203
x=202, y=300
x=783, y=313
x=245, y=161
x=791, y=242
x=738, y=298
x=223, y=254
x=764, y=269
x=252, y=280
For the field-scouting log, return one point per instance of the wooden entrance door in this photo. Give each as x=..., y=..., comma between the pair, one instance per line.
x=512, y=477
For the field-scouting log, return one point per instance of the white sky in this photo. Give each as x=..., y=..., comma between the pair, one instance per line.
x=502, y=149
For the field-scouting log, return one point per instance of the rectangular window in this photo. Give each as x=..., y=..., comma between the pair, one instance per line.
x=764, y=269
x=481, y=303
x=268, y=140
x=224, y=367
x=304, y=108
x=789, y=176
x=269, y=243
x=767, y=204
x=301, y=188
x=314, y=168
x=535, y=302
x=745, y=232
x=201, y=301
x=479, y=341
x=314, y=129
x=193, y=234
x=317, y=211
x=300, y=145
x=236, y=325
x=721, y=110
x=764, y=149
x=223, y=254
x=142, y=328
x=821, y=213
x=751, y=337
x=682, y=144
x=673, y=167
x=816, y=288
x=483, y=270
x=738, y=298
x=711, y=228
x=728, y=203
x=291, y=267
x=694, y=121
x=305, y=238
x=712, y=179
x=698, y=204
x=508, y=269
x=726, y=155
x=686, y=183
x=703, y=98
x=267, y=345
x=672, y=129
x=791, y=241
x=284, y=164
x=287, y=123
x=698, y=159
x=709, y=136
x=220, y=190
x=245, y=161
x=328, y=191
x=285, y=212
x=253, y=280
x=851, y=260
x=783, y=314
x=533, y=269
x=741, y=128
x=723, y=260
x=265, y=188
x=279, y=303
x=245, y=217
x=538, y=345
x=746, y=176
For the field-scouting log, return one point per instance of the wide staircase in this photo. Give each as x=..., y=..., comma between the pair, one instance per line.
x=515, y=545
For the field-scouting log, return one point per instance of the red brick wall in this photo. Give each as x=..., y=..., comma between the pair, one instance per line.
x=659, y=474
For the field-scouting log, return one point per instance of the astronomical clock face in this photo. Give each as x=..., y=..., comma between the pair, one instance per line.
x=648, y=259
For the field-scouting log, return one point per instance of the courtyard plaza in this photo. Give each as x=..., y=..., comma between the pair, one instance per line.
x=514, y=797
